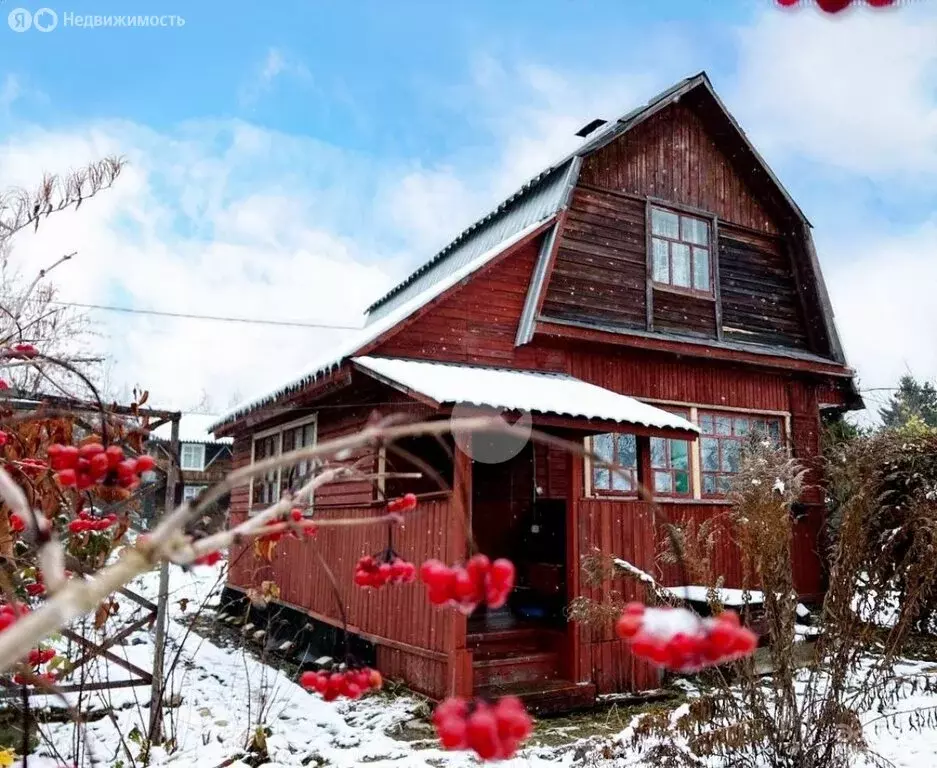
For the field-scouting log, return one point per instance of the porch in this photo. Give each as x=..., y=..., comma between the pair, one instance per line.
x=524, y=501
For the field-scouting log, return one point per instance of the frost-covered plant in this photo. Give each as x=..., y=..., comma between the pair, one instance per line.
x=802, y=707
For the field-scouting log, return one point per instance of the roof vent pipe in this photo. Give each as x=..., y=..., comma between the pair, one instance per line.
x=590, y=127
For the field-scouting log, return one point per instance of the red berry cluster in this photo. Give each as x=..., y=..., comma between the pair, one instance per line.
x=208, y=559
x=406, y=503
x=20, y=352
x=351, y=683
x=383, y=568
x=92, y=463
x=37, y=587
x=86, y=522
x=679, y=640
x=835, y=6
x=492, y=731
x=46, y=677
x=296, y=515
x=39, y=656
x=9, y=613
x=480, y=581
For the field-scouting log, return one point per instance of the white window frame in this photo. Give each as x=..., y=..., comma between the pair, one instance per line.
x=200, y=447
x=278, y=432
x=696, y=479
x=192, y=490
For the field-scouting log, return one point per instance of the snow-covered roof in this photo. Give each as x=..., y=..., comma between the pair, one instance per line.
x=193, y=428
x=520, y=390
x=334, y=357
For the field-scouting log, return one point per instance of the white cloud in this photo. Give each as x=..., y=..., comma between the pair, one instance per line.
x=10, y=91
x=855, y=91
x=182, y=239
x=275, y=64
x=883, y=291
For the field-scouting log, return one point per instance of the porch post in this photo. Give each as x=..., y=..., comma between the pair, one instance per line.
x=460, y=658
x=645, y=473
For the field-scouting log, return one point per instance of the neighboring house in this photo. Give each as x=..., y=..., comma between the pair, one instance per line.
x=203, y=460
x=655, y=294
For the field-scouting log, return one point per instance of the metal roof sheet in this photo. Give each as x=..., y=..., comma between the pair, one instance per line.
x=520, y=390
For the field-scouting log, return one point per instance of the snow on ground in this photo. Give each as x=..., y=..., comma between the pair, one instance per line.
x=222, y=693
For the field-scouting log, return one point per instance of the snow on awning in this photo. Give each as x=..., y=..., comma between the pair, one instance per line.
x=519, y=390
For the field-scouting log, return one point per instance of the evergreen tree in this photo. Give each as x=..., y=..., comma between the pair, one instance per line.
x=913, y=399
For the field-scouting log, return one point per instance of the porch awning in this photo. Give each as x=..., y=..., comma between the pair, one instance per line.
x=518, y=390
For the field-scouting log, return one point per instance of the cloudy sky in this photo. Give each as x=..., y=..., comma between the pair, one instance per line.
x=292, y=162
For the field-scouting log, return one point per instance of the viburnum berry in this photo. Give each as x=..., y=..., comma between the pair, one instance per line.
x=350, y=682
x=679, y=640
x=93, y=464
x=210, y=558
x=20, y=352
x=35, y=589
x=86, y=522
x=38, y=656
x=3, y=438
x=493, y=731
x=480, y=581
x=9, y=613
x=17, y=524
x=833, y=6
x=383, y=568
x=405, y=503
x=3, y=384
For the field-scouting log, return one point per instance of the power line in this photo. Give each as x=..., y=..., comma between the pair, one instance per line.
x=214, y=318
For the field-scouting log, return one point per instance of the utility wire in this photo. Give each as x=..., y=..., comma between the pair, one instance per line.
x=215, y=318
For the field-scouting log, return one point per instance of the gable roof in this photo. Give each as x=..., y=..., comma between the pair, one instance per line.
x=536, y=202
x=548, y=192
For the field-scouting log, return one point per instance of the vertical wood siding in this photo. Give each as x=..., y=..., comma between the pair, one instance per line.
x=418, y=636
x=671, y=156
x=627, y=531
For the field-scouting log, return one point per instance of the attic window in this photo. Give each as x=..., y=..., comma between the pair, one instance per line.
x=192, y=457
x=680, y=251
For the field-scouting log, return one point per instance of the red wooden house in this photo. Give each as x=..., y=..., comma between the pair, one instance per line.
x=657, y=294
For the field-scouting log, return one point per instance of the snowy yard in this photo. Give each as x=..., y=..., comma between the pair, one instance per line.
x=220, y=694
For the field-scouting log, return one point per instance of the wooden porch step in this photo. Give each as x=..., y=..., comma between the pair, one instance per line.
x=515, y=668
x=513, y=641
x=545, y=697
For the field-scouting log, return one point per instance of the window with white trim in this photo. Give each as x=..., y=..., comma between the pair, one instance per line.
x=723, y=438
x=269, y=487
x=192, y=457
x=191, y=492
x=681, y=469
x=680, y=251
